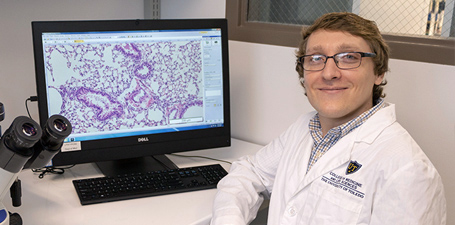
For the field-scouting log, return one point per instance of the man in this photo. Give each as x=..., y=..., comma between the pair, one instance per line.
x=350, y=162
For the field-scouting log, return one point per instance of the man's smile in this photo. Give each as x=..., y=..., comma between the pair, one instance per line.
x=332, y=89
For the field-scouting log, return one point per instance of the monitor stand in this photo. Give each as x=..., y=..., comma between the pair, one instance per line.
x=136, y=165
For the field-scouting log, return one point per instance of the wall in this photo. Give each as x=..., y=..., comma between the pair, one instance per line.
x=181, y=9
x=17, y=71
x=266, y=97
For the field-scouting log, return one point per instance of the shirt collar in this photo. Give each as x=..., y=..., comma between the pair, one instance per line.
x=343, y=129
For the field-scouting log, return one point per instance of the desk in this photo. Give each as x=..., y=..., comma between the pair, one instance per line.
x=53, y=199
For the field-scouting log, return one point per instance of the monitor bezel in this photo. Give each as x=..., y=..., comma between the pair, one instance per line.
x=130, y=147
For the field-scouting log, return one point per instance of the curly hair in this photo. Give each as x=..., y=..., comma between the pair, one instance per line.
x=357, y=26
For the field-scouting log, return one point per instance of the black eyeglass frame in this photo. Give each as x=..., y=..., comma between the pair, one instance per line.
x=362, y=54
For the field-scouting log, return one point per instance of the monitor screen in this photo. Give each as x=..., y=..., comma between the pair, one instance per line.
x=134, y=88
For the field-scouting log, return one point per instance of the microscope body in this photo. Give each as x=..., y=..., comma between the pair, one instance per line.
x=25, y=143
x=6, y=180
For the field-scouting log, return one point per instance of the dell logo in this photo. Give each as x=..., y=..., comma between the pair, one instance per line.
x=142, y=139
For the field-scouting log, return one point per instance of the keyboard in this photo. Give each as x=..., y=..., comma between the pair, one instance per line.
x=138, y=185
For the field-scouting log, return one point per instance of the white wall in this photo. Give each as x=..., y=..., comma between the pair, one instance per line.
x=266, y=97
x=185, y=9
x=17, y=71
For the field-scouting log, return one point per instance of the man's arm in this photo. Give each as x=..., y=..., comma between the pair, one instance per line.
x=242, y=191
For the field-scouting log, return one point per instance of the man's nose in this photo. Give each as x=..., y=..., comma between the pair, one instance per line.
x=331, y=71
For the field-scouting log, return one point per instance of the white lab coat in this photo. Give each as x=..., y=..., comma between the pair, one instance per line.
x=395, y=184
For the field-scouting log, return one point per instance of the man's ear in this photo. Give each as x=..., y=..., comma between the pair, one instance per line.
x=379, y=79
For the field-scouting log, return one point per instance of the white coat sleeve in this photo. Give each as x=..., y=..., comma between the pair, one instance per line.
x=251, y=179
x=414, y=195
x=242, y=191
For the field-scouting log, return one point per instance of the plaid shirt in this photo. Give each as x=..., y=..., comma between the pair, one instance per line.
x=323, y=143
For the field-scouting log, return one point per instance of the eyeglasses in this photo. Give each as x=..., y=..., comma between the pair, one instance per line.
x=343, y=60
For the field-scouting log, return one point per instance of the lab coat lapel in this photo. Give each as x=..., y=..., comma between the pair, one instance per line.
x=336, y=156
x=306, y=145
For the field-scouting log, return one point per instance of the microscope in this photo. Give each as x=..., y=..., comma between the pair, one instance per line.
x=26, y=145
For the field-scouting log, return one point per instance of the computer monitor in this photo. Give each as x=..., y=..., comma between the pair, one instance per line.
x=134, y=90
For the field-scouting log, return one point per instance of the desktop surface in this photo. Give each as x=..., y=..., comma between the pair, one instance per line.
x=53, y=199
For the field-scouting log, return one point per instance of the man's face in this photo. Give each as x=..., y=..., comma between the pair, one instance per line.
x=339, y=95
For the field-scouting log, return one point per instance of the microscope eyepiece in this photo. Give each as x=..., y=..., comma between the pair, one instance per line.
x=22, y=134
x=28, y=129
x=60, y=125
x=16, y=145
x=55, y=130
x=2, y=112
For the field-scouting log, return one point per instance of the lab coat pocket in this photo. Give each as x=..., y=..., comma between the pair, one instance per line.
x=334, y=207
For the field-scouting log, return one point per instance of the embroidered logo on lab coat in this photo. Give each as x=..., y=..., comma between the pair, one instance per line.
x=353, y=167
x=343, y=183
